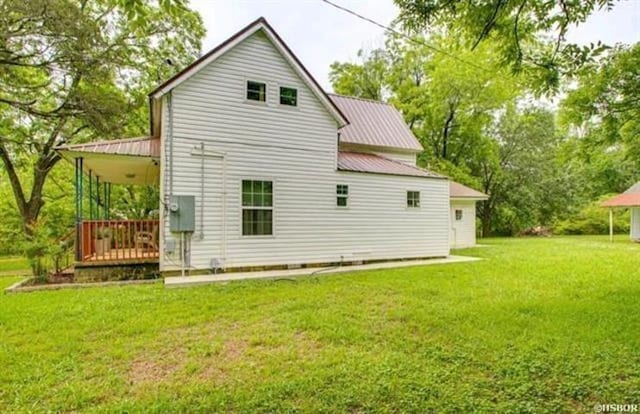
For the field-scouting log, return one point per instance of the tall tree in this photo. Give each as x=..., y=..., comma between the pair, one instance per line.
x=74, y=70
x=518, y=170
x=605, y=106
x=446, y=102
x=365, y=79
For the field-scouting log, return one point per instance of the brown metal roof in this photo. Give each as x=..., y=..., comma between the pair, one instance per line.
x=138, y=147
x=457, y=190
x=372, y=163
x=374, y=123
x=630, y=198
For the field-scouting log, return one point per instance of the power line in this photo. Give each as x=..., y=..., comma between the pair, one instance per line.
x=396, y=32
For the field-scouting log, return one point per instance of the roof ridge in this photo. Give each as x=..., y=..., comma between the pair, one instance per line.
x=360, y=99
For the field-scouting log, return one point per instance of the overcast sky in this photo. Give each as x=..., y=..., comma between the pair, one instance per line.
x=320, y=34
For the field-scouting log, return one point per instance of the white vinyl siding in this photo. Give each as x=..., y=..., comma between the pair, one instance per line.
x=409, y=159
x=463, y=231
x=296, y=150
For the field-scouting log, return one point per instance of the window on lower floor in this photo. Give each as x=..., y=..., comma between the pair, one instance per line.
x=413, y=199
x=458, y=215
x=342, y=195
x=257, y=208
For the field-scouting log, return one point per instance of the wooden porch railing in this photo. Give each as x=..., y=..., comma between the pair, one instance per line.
x=119, y=240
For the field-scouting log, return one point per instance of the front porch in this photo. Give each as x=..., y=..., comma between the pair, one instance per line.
x=106, y=237
x=118, y=241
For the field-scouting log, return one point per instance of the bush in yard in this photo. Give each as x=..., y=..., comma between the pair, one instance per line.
x=593, y=219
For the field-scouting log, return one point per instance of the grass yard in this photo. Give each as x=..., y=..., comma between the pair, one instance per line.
x=541, y=325
x=9, y=264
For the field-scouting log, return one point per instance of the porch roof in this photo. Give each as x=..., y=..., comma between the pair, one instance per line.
x=120, y=161
x=630, y=198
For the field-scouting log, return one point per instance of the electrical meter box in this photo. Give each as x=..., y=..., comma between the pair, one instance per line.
x=182, y=213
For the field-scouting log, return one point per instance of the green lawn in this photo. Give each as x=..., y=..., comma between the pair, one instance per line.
x=13, y=264
x=541, y=325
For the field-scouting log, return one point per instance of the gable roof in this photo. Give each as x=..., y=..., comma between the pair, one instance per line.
x=630, y=198
x=260, y=24
x=457, y=190
x=375, y=164
x=374, y=123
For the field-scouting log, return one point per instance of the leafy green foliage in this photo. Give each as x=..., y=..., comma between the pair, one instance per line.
x=521, y=175
x=606, y=105
x=593, y=219
x=520, y=31
x=366, y=80
x=540, y=325
x=78, y=71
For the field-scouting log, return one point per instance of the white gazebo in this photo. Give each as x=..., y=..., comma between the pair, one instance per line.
x=629, y=199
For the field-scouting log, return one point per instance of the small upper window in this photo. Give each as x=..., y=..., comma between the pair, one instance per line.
x=458, y=214
x=342, y=195
x=288, y=96
x=256, y=91
x=413, y=199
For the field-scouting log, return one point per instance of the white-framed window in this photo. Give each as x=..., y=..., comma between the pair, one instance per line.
x=257, y=208
x=413, y=199
x=458, y=215
x=342, y=195
x=256, y=91
x=288, y=96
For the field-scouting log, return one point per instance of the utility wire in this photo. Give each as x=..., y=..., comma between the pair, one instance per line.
x=398, y=33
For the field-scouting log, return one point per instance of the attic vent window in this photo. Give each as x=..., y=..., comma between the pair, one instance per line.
x=288, y=96
x=256, y=91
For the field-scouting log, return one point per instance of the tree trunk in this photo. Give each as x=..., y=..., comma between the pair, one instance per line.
x=485, y=218
x=448, y=125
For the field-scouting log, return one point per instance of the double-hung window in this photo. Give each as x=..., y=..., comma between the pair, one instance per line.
x=342, y=195
x=458, y=215
x=257, y=208
x=256, y=91
x=413, y=199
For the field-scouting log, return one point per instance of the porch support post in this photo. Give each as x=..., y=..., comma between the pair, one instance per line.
x=97, y=197
x=79, y=200
x=91, y=216
x=610, y=224
x=107, y=199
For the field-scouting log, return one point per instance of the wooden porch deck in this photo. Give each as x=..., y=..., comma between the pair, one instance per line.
x=117, y=242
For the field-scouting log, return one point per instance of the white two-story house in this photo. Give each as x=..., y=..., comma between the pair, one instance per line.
x=268, y=170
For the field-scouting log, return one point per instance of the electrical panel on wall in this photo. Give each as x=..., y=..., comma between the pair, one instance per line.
x=182, y=213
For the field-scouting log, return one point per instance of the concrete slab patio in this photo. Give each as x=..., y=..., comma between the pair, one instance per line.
x=292, y=273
